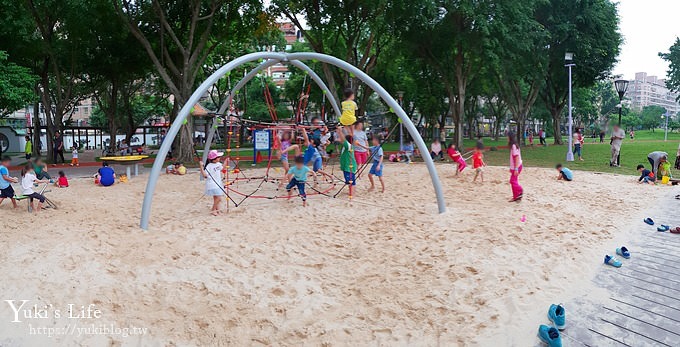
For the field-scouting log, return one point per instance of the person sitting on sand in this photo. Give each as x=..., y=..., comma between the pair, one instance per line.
x=180, y=169
x=564, y=173
x=40, y=169
x=436, y=150
x=105, y=175
x=646, y=176
x=28, y=179
x=6, y=190
x=62, y=181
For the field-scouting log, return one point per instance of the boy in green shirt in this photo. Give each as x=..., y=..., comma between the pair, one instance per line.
x=348, y=164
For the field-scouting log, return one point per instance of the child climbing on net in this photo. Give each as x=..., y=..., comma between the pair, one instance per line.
x=297, y=177
x=285, y=145
x=312, y=155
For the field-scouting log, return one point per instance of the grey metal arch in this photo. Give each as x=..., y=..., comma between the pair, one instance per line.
x=250, y=75
x=329, y=94
x=203, y=88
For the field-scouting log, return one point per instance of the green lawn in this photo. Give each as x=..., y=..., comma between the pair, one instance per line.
x=596, y=155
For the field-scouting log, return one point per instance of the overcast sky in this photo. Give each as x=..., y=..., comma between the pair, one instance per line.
x=648, y=27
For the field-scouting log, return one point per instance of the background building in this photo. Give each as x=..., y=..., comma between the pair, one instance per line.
x=651, y=91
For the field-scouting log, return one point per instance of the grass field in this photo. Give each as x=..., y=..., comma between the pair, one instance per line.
x=596, y=155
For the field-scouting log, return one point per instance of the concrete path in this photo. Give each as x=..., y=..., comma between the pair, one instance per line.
x=642, y=307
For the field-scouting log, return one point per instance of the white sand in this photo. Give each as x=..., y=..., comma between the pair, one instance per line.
x=384, y=270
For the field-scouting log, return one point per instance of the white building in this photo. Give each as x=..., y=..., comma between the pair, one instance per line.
x=647, y=90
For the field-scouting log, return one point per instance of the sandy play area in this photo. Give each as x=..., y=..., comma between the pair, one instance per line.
x=385, y=270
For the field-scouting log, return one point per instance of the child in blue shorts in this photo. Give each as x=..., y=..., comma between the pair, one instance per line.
x=377, y=165
x=297, y=177
x=312, y=154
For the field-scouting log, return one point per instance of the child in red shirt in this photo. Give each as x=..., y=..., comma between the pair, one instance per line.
x=478, y=163
x=62, y=181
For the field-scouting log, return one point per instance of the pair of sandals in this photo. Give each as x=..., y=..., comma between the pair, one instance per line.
x=663, y=227
x=621, y=251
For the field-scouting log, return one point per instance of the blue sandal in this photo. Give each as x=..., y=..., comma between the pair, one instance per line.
x=663, y=228
x=649, y=221
x=609, y=260
x=623, y=251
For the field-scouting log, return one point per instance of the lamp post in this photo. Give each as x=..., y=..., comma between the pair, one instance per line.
x=400, y=95
x=569, y=59
x=621, y=87
x=665, y=135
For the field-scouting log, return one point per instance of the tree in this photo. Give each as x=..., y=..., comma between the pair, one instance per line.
x=353, y=30
x=449, y=36
x=650, y=117
x=16, y=86
x=673, y=59
x=179, y=37
x=590, y=30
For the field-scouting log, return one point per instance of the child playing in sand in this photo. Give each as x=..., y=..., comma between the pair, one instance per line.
x=646, y=176
x=6, y=190
x=212, y=172
x=377, y=166
x=564, y=173
x=62, y=181
x=105, y=175
x=457, y=158
x=348, y=163
x=297, y=177
x=74, y=157
x=28, y=179
x=478, y=162
x=349, y=109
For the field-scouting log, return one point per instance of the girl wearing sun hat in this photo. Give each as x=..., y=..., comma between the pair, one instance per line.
x=214, y=186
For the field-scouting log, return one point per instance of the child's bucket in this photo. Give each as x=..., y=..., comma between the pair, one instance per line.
x=665, y=179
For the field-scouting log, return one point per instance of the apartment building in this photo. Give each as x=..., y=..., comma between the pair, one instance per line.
x=647, y=90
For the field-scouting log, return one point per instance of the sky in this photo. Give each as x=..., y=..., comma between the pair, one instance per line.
x=648, y=27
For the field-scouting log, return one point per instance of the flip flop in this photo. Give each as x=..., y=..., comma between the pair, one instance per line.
x=623, y=251
x=675, y=230
x=649, y=221
x=609, y=260
x=663, y=228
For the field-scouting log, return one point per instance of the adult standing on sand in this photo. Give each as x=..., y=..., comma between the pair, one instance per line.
x=617, y=139
x=655, y=158
x=515, y=168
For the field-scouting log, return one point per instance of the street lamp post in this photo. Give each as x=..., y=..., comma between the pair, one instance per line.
x=400, y=95
x=621, y=88
x=665, y=135
x=569, y=59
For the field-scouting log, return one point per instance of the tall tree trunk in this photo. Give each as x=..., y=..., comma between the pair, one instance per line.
x=556, y=114
x=36, y=123
x=47, y=105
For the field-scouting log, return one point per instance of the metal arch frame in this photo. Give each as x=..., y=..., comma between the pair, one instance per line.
x=250, y=75
x=329, y=94
x=284, y=57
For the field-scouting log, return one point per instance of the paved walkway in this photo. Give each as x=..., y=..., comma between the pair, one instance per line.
x=643, y=304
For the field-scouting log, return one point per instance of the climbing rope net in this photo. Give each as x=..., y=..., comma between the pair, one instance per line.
x=269, y=182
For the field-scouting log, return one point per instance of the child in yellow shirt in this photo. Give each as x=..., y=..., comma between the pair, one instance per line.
x=349, y=109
